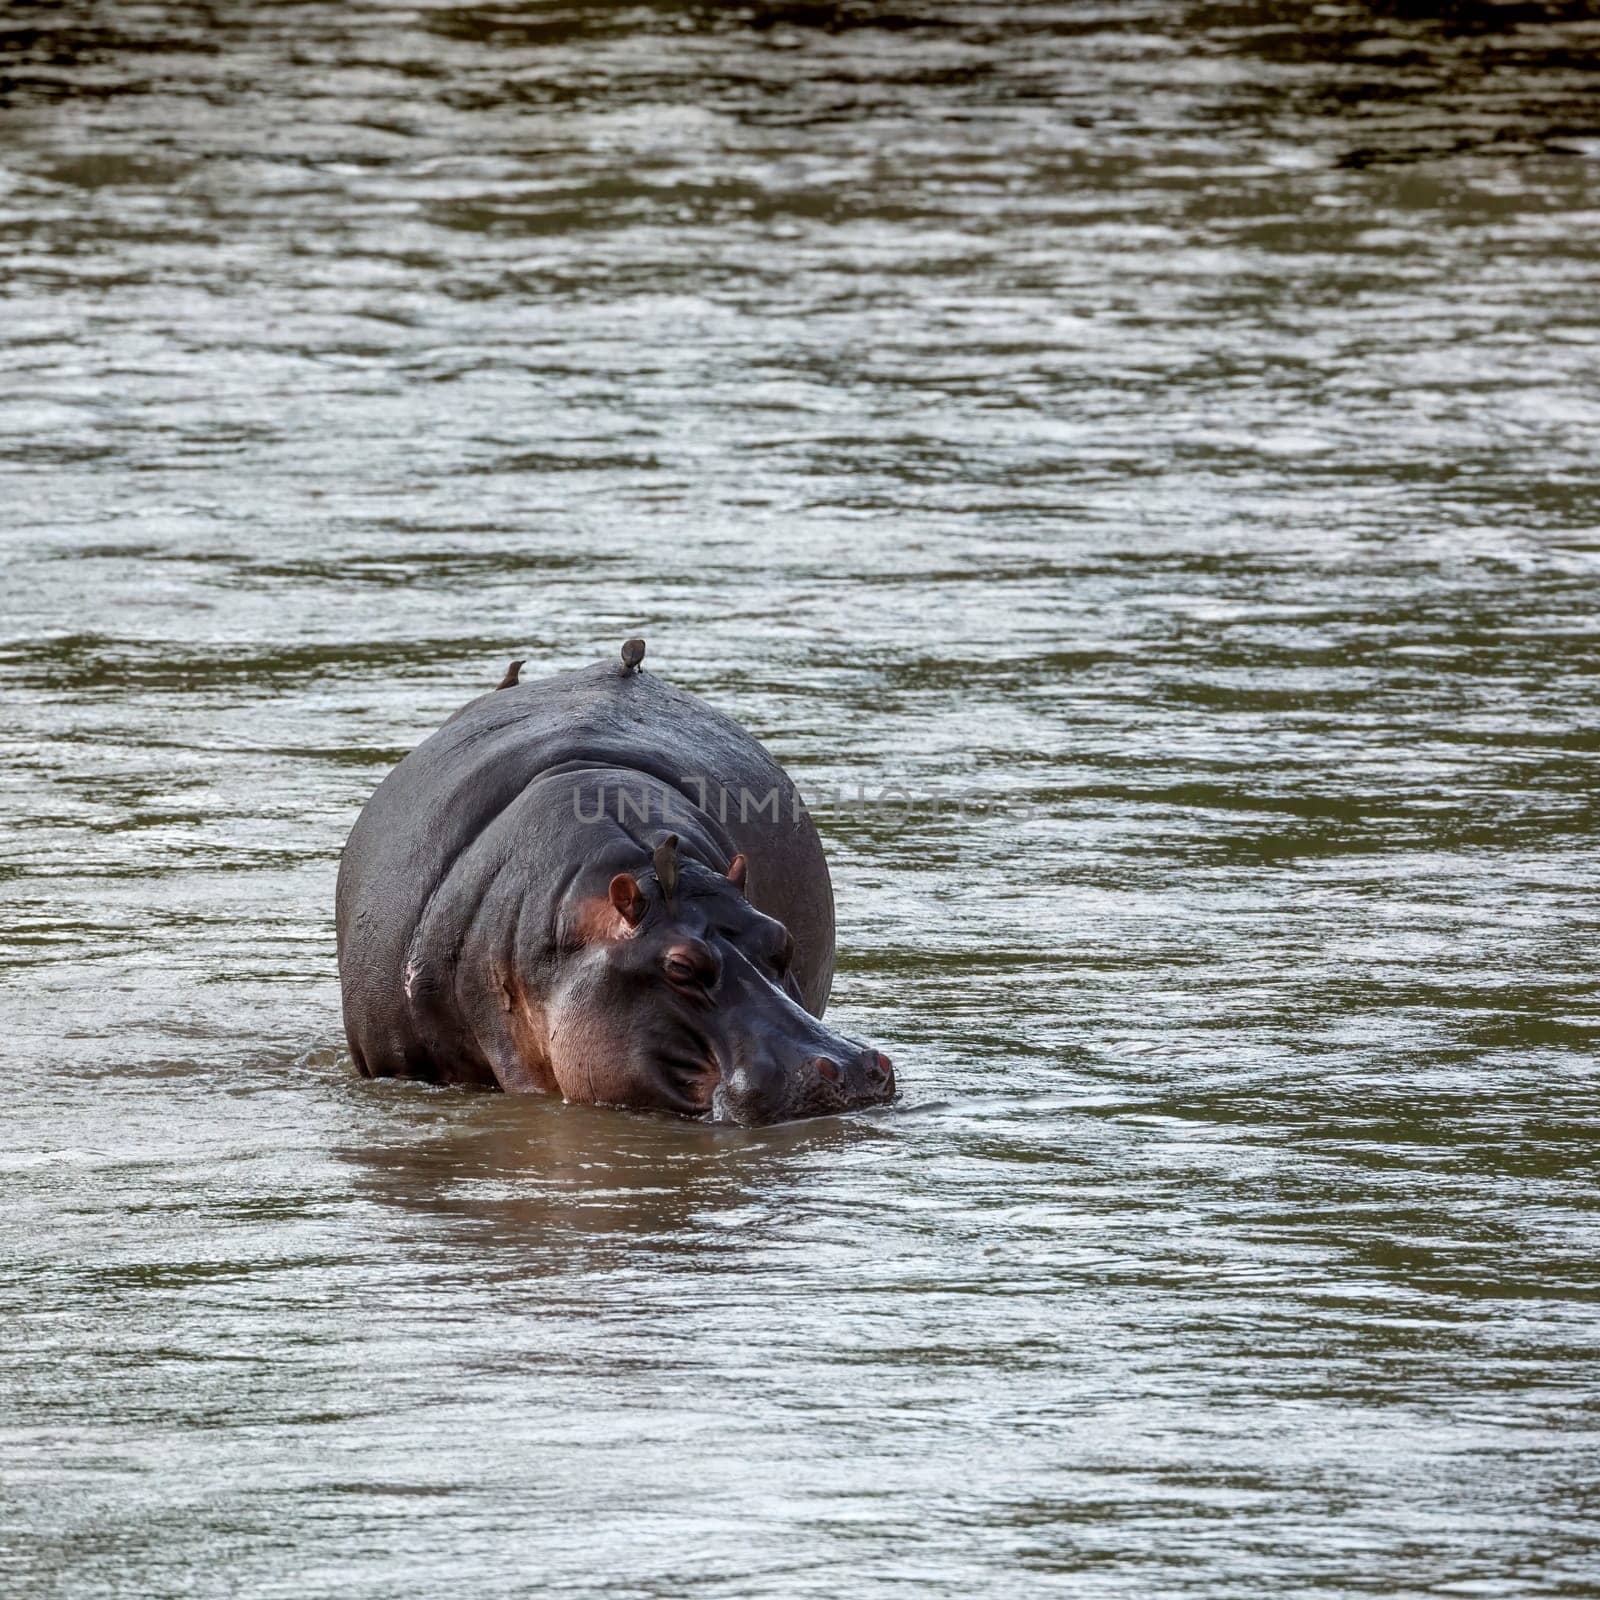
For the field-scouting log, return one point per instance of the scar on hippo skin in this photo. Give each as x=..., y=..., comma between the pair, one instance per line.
x=497, y=929
x=513, y=674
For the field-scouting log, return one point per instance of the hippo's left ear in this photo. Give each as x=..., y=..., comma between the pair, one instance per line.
x=737, y=868
x=628, y=898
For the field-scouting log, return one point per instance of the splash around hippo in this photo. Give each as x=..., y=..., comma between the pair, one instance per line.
x=599, y=887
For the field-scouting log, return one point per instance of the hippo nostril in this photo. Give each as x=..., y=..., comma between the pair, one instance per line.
x=828, y=1069
x=882, y=1065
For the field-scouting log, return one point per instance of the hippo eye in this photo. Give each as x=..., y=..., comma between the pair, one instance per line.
x=682, y=970
x=783, y=957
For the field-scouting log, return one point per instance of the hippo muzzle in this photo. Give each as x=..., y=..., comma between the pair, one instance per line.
x=819, y=1087
x=788, y=1065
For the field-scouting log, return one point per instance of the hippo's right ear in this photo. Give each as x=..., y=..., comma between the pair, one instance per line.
x=737, y=868
x=627, y=897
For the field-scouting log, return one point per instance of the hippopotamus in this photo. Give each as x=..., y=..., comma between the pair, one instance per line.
x=597, y=886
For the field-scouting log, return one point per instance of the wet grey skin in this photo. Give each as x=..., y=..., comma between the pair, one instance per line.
x=597, y=886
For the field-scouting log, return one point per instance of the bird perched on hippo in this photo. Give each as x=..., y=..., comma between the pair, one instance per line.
x=597, y=886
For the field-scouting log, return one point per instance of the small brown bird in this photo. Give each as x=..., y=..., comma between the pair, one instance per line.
x=513, y=673
x=632, y=655
x=665, y=859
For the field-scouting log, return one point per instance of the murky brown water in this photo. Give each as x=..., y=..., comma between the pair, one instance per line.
x=1176, y=421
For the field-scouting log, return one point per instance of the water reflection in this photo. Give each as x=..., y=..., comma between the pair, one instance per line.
x=568, y=1184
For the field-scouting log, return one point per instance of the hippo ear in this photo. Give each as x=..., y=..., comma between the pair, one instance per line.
x=627, y=898
x=737, y=868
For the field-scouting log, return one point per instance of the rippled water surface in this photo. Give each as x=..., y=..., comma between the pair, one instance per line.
x=1171, y=429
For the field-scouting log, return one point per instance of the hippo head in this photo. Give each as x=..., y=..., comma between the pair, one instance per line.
x=676, y=994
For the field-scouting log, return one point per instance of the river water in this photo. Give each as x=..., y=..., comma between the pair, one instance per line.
x=1163, y=433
